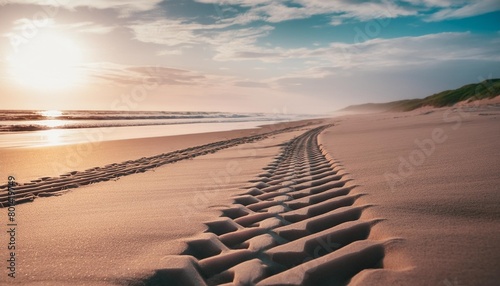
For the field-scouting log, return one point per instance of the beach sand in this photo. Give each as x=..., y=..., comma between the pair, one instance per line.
x=434, y=176
x=310, y=205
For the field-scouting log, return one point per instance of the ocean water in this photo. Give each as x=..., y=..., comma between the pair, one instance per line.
x=34, y=128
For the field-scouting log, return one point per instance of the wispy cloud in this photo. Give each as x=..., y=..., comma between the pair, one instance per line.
x=125, y=6
x=467, y=9
x=413, y=50
x=279, y=11
x=137, y=75
x=404, y=52
x=227, y=44
x=273, y=11
x=171, y=32
x=252, y=84
x=87, y=27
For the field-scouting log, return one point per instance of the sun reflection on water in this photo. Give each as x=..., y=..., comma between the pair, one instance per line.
x=51, y=137
x=51, y=113
x=52, y=123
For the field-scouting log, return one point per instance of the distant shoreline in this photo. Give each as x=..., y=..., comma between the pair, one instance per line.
x=36, y=120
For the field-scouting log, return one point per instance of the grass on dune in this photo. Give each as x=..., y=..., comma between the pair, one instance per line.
x=485, y=89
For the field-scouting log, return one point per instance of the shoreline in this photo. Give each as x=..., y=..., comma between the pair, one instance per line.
x=49, y=161
x=66, y=136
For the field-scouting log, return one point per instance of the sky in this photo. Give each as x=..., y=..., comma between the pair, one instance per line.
x=286, y=56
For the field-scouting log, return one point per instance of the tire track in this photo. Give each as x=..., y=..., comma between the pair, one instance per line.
x=297, y=224
x=50, y=186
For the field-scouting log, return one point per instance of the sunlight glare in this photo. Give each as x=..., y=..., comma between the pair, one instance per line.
x=51, y=137
x=52, y=123
x=51, y=113
x=48, y=61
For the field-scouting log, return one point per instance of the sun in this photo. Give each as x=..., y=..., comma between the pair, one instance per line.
x=48, y=61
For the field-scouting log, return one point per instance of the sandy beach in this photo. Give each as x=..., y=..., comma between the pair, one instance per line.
x=249, y=143
x=433, y=176
x=380, y=199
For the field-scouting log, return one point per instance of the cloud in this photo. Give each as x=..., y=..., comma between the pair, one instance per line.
x=252, y=84
x=388, y=52
x=227, y=44
x=165, y=32
x=274, y=11
x=235, y=43
x=410, y=51
x=390, y=69
x=87, y=27
x=171, y=32
x=413, y=50
x=279, y=11
x=143, y=75
x=436, y=3
x=469, y=9
x=125, y=6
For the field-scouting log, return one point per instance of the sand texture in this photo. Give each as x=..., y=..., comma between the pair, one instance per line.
x=296, y=225
x=380, y=199
x=434, y=177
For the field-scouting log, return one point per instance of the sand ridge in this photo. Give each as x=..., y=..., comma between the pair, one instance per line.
x=296, y=224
